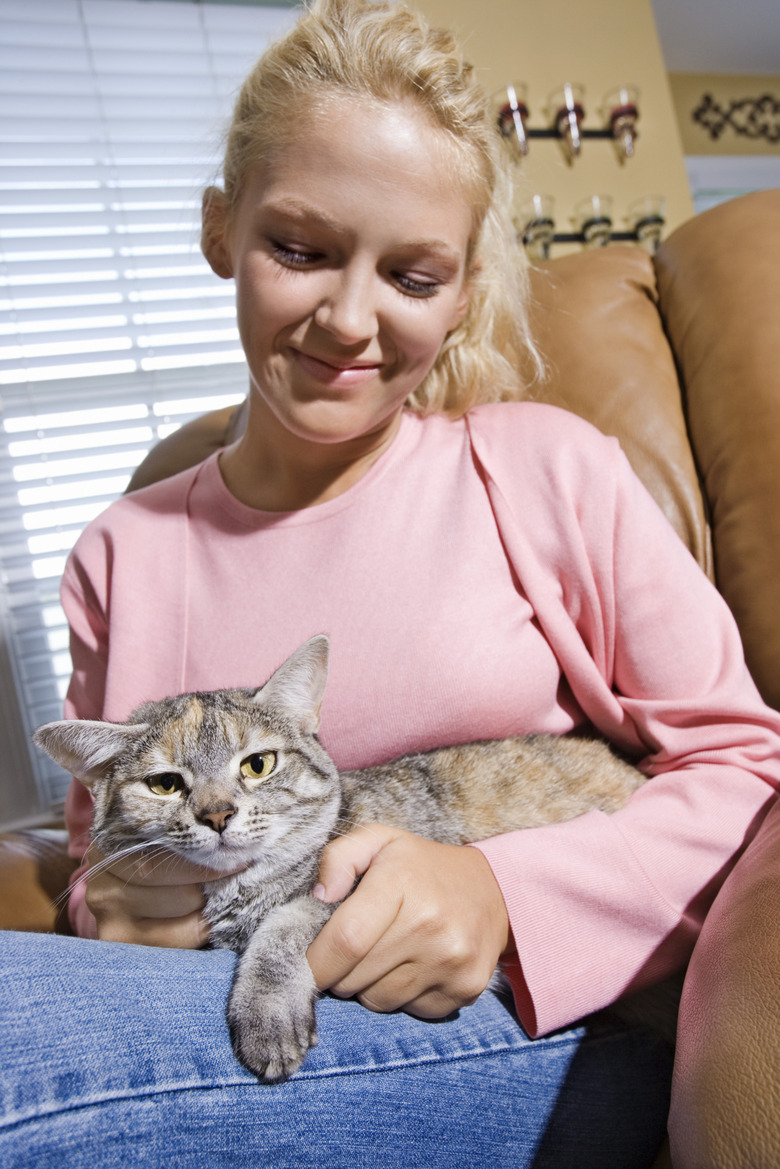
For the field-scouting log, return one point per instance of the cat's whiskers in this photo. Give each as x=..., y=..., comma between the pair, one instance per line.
x=164, y=855
x=351, y=825
x=154, y=847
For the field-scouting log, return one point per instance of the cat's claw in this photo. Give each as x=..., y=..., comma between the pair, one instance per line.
x=273, y=1045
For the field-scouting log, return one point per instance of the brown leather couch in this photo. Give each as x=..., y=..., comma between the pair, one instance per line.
x=679, y=356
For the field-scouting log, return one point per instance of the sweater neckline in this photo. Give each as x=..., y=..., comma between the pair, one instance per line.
x=250, y=517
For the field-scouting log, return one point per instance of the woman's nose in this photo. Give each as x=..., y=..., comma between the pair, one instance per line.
x=348, y=310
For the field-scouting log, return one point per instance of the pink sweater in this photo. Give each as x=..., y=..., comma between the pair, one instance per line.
x=498, y=575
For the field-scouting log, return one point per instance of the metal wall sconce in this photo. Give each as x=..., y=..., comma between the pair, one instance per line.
x=565, y=110
x=621, y=112
x=536, y=227
x=646, y=215
x=565, y=114
x=512, y=112
x=593, y=220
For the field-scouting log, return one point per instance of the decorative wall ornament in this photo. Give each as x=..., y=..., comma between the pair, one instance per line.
x=593, y=220
x=564, y=114
x=749, y=117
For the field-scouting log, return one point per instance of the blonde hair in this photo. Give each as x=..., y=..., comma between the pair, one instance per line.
x=385, y=52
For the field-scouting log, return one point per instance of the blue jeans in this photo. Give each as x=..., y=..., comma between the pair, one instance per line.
x=115, y=1055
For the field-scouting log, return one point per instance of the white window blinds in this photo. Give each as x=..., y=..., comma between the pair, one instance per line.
x=113, y=330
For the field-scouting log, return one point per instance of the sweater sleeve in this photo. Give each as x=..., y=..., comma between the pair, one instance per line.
x=108, y=559
x=85, y=610
x=603, y=905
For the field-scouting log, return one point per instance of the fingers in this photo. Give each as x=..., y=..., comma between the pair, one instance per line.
x=106, y=890
x=348, y=857
x=154, y=899
x=177, y=933
x=423, y=930
x=402, y=949
x=352, y=933
x=429, y=1003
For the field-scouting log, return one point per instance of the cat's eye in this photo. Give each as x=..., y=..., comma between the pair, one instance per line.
x=168, y=784
x=259, y=765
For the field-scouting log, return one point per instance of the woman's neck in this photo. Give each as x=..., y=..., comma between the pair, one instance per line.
x=270, y=469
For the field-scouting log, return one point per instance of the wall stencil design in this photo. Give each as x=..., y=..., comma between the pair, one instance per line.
x=749, y=117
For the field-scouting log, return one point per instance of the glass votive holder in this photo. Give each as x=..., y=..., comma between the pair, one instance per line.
x=620, y=110
x=646, y=218
x=511, y=111
x=537, y=227
x=593, y=220
x=566, y=112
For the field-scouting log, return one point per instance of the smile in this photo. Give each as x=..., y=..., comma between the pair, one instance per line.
x=334, y=374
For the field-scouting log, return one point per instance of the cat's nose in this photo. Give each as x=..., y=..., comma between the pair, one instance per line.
x=218, y=816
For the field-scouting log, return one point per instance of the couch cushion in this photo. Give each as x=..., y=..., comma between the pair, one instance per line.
x=595, y=317
x=719, y=285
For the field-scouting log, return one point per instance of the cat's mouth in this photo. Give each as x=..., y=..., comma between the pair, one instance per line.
x=227, y=856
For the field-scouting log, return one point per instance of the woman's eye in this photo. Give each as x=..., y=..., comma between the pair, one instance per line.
x=258, y=766
x=413, y=287
x=293, y=257
x=169, y=784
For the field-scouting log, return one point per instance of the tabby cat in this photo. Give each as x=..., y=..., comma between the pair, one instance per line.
x=238, y=777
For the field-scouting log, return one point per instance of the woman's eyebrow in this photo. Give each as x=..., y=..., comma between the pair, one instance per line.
x=439, y=248
x=299, y=209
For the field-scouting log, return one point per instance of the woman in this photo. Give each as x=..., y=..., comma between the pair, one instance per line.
x=481, y=569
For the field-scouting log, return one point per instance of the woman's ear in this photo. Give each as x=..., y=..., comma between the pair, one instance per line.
x=213, y=237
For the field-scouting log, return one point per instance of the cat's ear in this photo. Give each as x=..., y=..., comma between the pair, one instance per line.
x=87, y=748
x=298, y=686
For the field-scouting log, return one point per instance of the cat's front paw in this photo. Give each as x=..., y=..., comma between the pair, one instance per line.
x=272, y=1037
x=271, y=1005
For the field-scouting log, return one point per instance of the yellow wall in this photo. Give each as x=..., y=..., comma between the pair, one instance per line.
x=601, y=43
x=732, y=96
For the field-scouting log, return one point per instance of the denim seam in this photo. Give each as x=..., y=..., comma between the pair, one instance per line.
x=6, y=1124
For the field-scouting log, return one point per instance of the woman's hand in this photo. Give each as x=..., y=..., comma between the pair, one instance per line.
x=153, y=900
x=423, y=930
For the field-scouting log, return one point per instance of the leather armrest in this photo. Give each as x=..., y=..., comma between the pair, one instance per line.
x=726, y=1095
x=719, y=289
x=34, y=872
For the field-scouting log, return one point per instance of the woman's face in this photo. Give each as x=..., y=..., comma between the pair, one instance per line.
x=349, y=254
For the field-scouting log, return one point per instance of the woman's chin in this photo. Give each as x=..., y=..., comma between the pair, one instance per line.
x=341, y=420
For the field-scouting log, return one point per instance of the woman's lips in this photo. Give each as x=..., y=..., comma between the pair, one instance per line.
x=346, y=374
